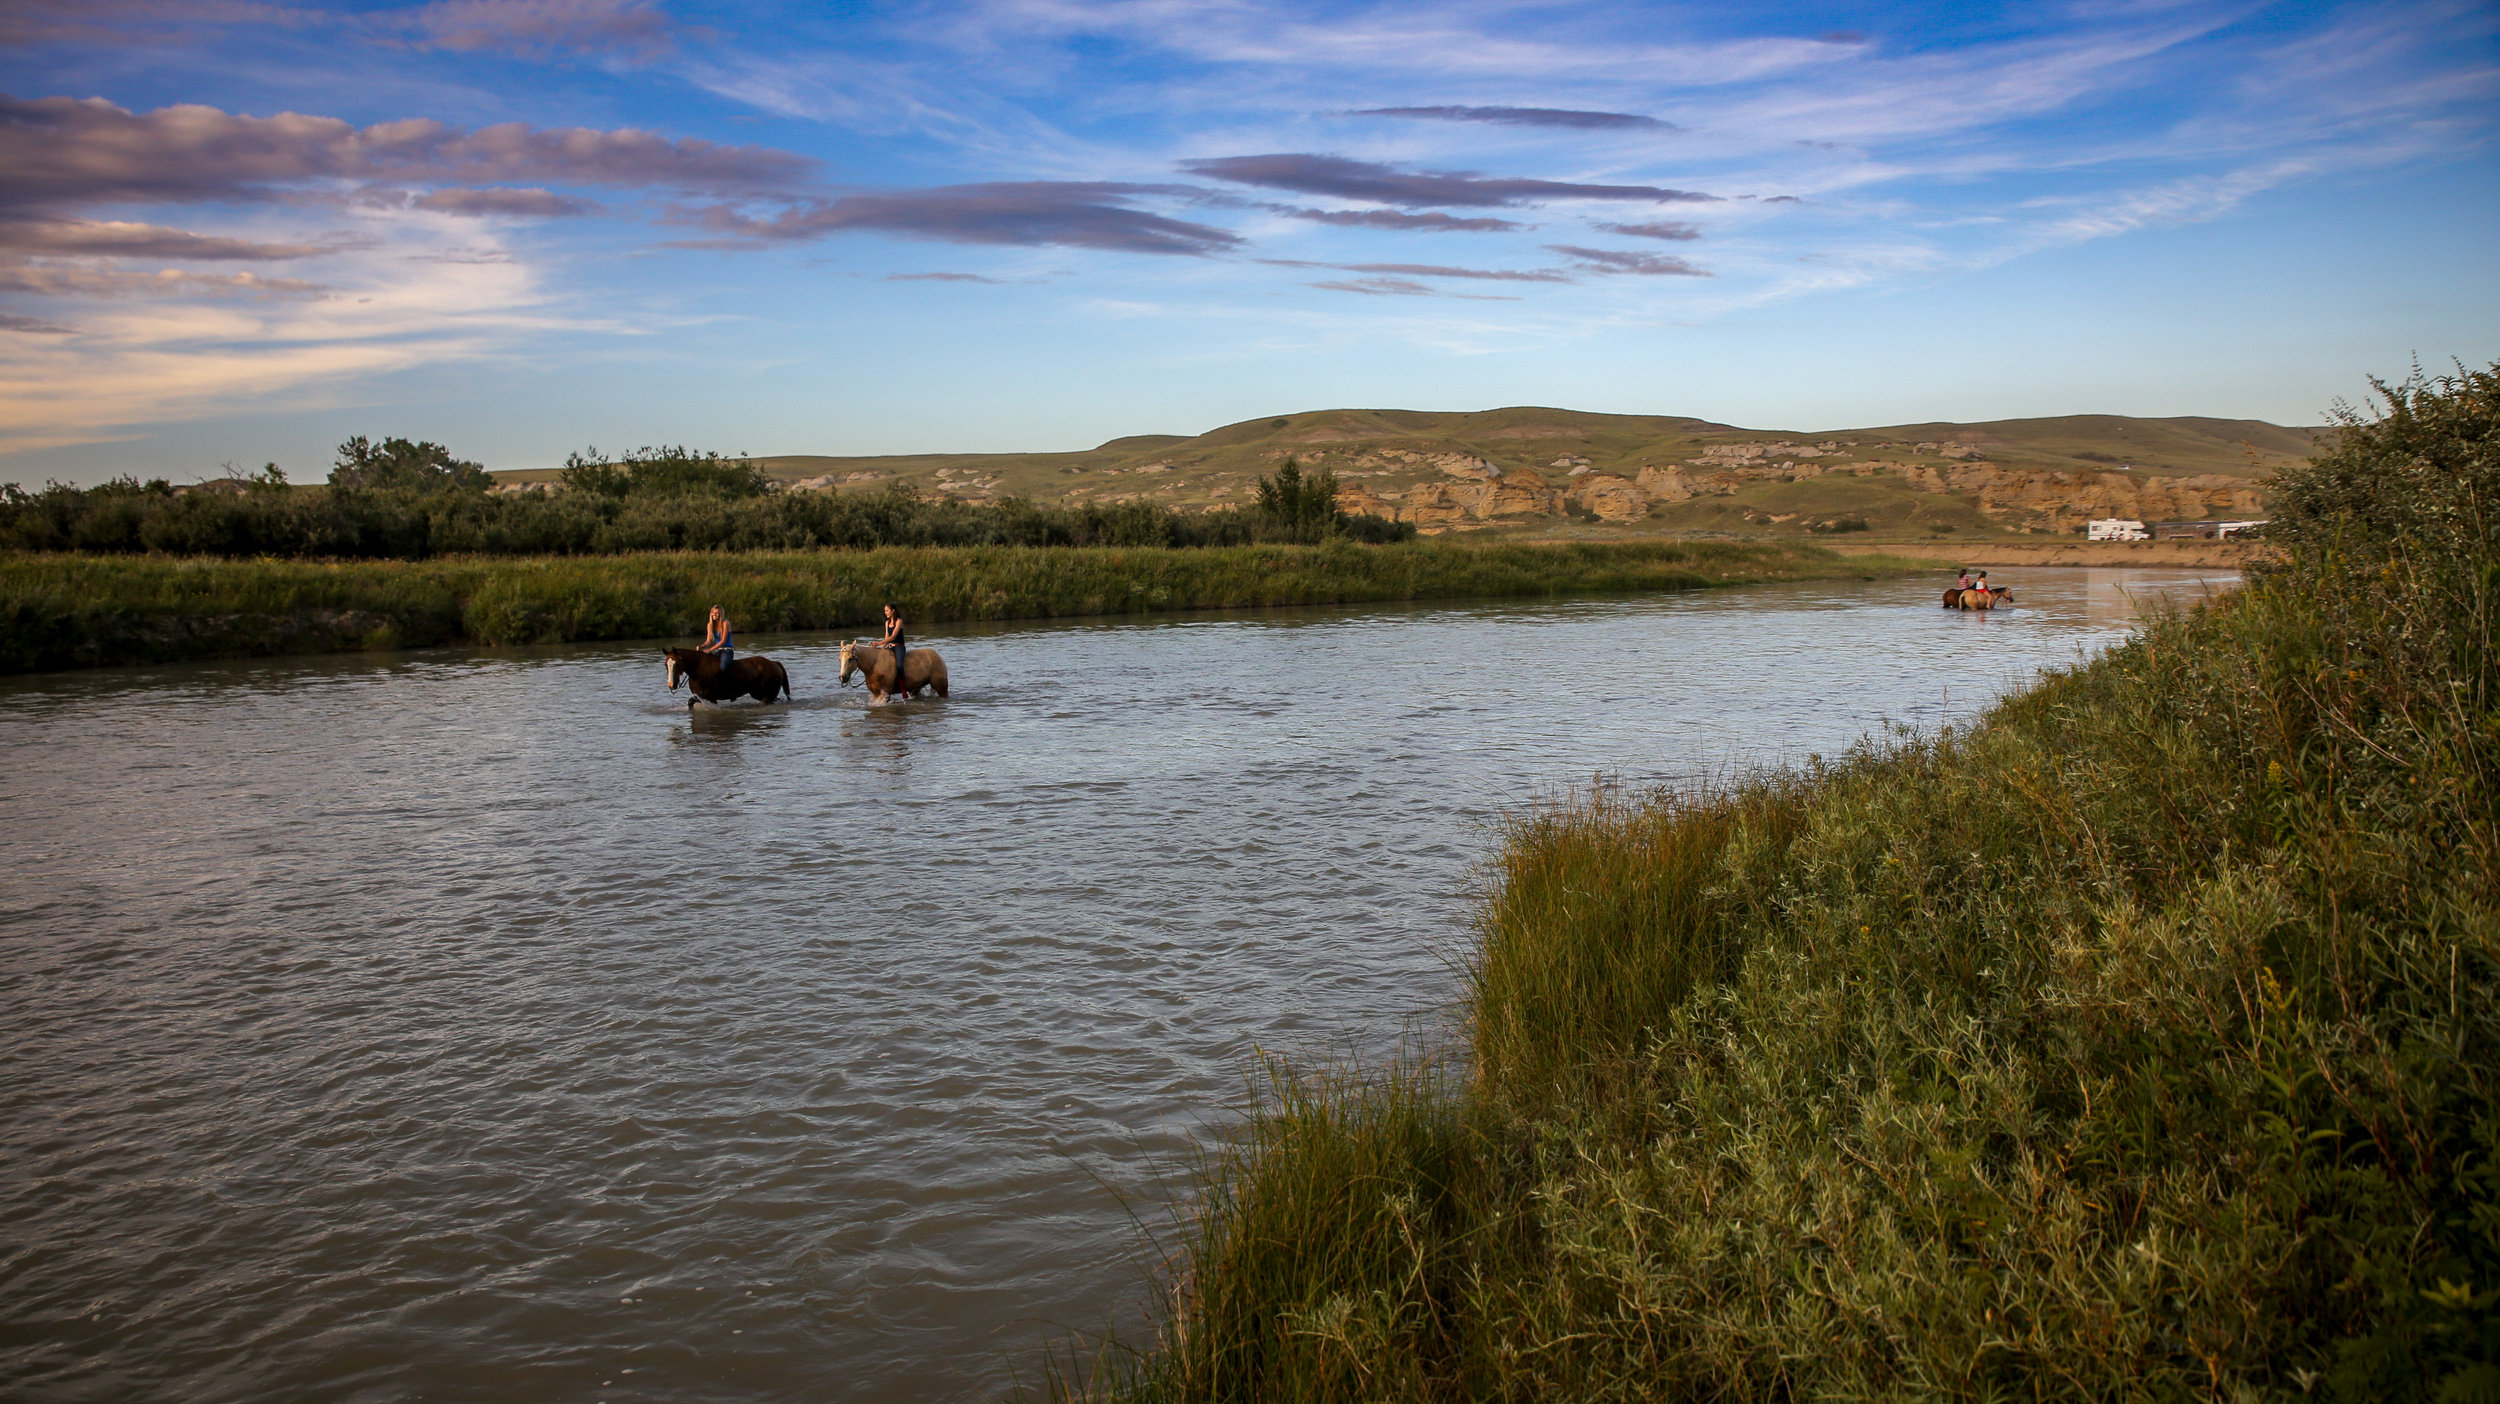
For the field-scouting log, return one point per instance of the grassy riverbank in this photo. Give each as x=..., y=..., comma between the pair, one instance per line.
x=2142, y=1042
x=67, y=611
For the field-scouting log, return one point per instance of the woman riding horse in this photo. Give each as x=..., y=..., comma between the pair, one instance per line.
x=716, y=639
x=894, y=638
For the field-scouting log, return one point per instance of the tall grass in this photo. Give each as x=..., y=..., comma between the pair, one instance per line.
x=2141, y=1042
x=65, y=610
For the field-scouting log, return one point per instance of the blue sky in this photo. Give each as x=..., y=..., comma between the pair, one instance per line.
x=234, y=231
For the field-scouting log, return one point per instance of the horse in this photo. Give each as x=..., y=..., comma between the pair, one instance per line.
x=755, y=676
x=1977, y=597
x=922, y=668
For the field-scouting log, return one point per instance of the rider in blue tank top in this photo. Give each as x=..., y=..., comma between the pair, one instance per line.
x=716, y=638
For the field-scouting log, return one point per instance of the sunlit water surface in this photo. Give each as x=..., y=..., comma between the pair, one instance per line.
x=482, y=1026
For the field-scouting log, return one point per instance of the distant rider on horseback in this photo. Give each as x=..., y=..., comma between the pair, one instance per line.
x=716, y=639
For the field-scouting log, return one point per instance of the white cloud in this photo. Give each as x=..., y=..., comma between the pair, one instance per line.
x=428, y=288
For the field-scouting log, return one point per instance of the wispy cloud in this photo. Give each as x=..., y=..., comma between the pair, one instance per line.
x=530, y=201
x=1656, y=229
x=1400, y=287
x=1432, y=223
x=1440, y=270
x=1628, y=261
x=123, y=239
x=1438, y=43
x=64, y=152
x=943, y=278
x=535, y=28
x=134, y=359
x=129, y=22
x=1432, y=270
x=1348, y=179
x=1566, y=117
x=626, y=29
x=32, y=326
x=1376, y=287
x=1080, y=214
x=50, y=279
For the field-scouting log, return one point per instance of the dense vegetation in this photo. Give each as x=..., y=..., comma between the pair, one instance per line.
x=66, y=611
x=2139, y=1043
x=400, y=500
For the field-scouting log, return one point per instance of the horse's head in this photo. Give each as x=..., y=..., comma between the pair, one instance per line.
x=850, y=663
x=680, y=662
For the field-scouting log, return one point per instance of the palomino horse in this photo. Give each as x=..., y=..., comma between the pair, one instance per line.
x=758, y=677
x=1976, y=598
x=922, y=668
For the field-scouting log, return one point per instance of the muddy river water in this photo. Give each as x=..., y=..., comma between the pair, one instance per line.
x=481, y=1026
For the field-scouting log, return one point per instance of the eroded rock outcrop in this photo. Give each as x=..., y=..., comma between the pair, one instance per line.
x=1612, y=498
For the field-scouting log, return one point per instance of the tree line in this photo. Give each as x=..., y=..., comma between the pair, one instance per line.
x=410, y=500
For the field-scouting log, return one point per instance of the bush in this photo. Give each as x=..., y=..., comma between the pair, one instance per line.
x=664, y=472
x=397, y=465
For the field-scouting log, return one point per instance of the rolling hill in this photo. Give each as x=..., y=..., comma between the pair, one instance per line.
x=1554, y=472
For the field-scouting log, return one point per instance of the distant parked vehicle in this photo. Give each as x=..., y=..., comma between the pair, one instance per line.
x=2201, y=531
x=2115, y=529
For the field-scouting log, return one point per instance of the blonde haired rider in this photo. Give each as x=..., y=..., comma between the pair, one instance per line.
x=716, y=638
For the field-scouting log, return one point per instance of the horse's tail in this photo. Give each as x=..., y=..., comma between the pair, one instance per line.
x=787, y=691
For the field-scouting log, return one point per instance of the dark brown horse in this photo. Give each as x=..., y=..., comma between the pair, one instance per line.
x=758, y=677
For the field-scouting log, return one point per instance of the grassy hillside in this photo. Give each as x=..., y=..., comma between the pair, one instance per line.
x=2141, y=1042
x=1394, y=452
x=68, y=611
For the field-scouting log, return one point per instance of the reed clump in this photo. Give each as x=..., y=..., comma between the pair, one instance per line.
x=2141, y=1042
x=61, y=610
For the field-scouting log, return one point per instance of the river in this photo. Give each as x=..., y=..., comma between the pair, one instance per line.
x=483, y=1026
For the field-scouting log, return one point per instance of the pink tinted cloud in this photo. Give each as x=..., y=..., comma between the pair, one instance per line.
x=121, y=239
x=66, y=152
x=129, y=21
x=92, y=280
